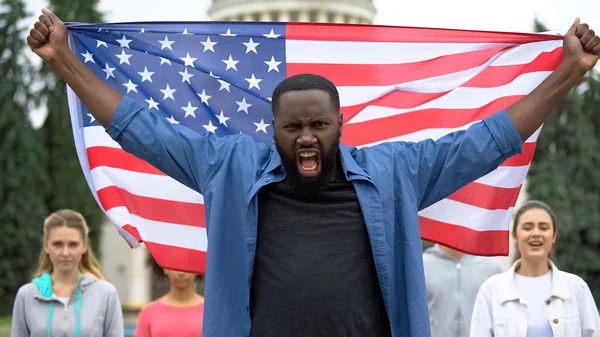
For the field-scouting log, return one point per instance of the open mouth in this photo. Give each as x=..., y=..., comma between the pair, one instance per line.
x=309, y=162
x=536, y=244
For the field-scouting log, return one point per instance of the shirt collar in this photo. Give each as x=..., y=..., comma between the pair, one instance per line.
x=560, y=284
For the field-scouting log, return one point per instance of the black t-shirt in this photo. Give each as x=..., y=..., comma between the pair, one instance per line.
x=314, y=273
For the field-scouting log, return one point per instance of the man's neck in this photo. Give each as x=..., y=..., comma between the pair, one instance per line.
x=456, y=255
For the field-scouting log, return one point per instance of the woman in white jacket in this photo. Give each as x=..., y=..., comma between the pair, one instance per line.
x=534, y=298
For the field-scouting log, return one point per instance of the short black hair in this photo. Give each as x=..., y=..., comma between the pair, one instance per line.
x=305, y=82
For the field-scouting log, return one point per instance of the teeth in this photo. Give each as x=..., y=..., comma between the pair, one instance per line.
x=314, y=167
x=307, y=154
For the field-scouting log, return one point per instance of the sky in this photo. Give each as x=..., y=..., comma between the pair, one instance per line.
x=505, y=15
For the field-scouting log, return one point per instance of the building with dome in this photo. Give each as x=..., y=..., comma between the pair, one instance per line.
x=332, y=11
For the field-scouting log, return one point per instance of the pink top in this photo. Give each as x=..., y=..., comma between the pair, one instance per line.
x=161, y=320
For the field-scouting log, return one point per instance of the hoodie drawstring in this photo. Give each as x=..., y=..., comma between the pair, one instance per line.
x=44, y=284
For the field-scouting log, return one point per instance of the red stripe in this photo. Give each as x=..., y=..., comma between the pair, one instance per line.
x=161, y=210
x=466, y=240
x=178, y=258
x=494, y=76
x=389, y=127
x=524, y=158
x=486, y=196
x=374, y=33
x=118, y=158
x=390, y=74
x=134, y=232
x=396, y=99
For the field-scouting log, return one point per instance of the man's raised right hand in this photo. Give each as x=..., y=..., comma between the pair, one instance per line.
x=48, y=37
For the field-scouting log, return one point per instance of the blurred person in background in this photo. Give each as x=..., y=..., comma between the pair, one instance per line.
x=68, y=296
x=534, y=298
x=452, y=281
x=178, y=313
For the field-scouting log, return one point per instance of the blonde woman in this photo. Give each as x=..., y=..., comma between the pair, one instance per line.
x=68, y=296
x=534, y=298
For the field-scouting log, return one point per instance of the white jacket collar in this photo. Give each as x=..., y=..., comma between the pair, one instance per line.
x=560, y=284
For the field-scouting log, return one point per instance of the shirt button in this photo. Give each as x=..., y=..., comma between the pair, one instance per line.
x=548, y=301
x=267, y=179
x=555, y=321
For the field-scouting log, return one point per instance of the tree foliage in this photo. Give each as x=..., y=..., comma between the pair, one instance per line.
x=565, y=174
x=22, y=175
x=67, y=185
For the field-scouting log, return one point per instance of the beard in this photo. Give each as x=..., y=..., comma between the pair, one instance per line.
x=307, y=187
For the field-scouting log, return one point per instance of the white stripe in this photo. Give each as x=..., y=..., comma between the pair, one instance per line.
x=97, y=136
x=190, y=237
x=352, y=52
x=526, y=53
x=145, y=184
x=459, y=98
x=505, y=176
x=435, y=134
x=465, y=215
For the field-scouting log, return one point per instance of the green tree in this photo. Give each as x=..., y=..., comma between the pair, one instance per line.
x=67, y=185
x=565, y=174
x=22, y=177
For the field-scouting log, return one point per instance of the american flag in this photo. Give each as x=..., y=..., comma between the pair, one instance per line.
x=395, y=83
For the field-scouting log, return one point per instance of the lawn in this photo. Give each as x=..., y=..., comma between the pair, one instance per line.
x=5, y=326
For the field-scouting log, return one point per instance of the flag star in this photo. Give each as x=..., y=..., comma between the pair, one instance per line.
x=185, y=76
x=152, y=104
x=208, y=45
x=142, y=31
x=124, y=58
x=99, y=30
x=251, y=46
x=101, y=43
x=224, y=85
x=204, y=97
x=166, y=43
x=273, y=65
x=262, y=126
x=228, y=33
x=271, y=35
x=164, y=60
x=269, y=98
x=185, y=32
x=130, y=86
x=189, y=61
x=230, y=63
x=124, y=42
x=168, y=92
x=109, y=71
x=253, y=81
x=222, y=118
x=92, y=119
x=210, y=127
x=172, y=120
x=146, y=75
x=88, y=57
x=189, y=110
x=215, y=76
x=243, y=105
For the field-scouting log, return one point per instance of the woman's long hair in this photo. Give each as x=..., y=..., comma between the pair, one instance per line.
x=71, y=219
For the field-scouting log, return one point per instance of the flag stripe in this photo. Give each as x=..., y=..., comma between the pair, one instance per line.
x=156, y=209
x=486, y=243
x=117, y=158
x=388, y=74
x=178, y=258
x=485, y=196
x=466, y=215
x=360, y=33
x=191, y=237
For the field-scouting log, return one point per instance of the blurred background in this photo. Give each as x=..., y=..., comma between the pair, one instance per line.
x=40, y=171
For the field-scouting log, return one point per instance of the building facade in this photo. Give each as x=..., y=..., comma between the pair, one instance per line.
x=333, y=11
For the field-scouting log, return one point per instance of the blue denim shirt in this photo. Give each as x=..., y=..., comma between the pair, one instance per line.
x=393, y=181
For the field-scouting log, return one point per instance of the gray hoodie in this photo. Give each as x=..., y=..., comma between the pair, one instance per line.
x=99, y=312
x=452, y=287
